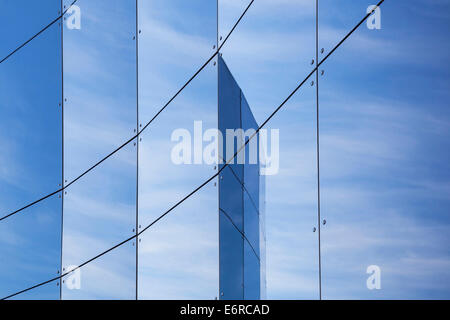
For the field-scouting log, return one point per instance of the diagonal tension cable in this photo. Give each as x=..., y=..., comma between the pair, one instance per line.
x=209, y=179
x=139, y=132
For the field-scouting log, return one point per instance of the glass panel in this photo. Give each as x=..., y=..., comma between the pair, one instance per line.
x=31, y=165
x=20, y=22
x=251, y=223
x=231, y=244
x=109, y=277
x=31, y=250
x=251, y=168
x=251, y=278
x=385, y=150
x=262, y=236
x=231, y=196
x=269, y=54
x=178, y=254
x=99, y=116
x=99, y=211
x=177, y=38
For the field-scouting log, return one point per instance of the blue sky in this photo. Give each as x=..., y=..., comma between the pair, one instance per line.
x=384, y=146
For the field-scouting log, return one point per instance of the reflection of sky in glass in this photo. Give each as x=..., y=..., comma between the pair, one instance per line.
x=384, y=158
x=30, y=157
x=178, y=257
x=100, y=114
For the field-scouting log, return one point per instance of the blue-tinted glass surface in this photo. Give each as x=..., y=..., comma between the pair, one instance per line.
x=232, y=177
x=177, y=38
x=229, y=100
x=31, y=164
x=31, y=248
x=270, y=53
x=385, y=150
x=235, y=202
x=178, y=256
x=230, y=117
x=252, y=274
x=252, y=163
x=21, y=21
x=262, y=236
x=251, y=223
x=99, y=116
x=231, y=196
x=231, y=246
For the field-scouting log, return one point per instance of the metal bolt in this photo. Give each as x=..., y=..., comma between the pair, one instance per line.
x=57, y=284
x=312, y=62
x=314, y=229
x=312, y=83
x=140, y=226
x=322, y=72
x=214, y=46
x=322, y=50
x=324, y=222
x=214, y=63
x=140, y=31
x=134, y=38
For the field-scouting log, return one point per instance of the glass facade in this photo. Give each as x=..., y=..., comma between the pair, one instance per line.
x=111, y=114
